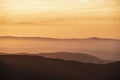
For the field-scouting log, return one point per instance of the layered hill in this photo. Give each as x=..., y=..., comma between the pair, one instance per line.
x=80, y=57
x=24, y=67
x=107, y=49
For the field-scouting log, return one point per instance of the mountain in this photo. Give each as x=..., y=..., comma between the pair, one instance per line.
x=103, y=48
x=15, y=37
x=91, y=38
x=80, y=57
x=24, y=67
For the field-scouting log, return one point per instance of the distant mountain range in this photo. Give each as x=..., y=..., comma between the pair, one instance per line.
x=24, y=67
x=91, y=38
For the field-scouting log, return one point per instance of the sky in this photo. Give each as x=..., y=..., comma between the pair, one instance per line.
x=60, y=18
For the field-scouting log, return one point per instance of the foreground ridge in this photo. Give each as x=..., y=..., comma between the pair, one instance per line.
x=24, y=67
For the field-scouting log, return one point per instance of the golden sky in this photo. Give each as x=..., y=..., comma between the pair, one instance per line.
x=60, y=18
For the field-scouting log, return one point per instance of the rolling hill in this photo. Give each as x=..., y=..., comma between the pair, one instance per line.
x=80, y=57
x=24, y=67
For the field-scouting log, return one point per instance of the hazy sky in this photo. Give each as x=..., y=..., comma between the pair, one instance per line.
x=60, y=18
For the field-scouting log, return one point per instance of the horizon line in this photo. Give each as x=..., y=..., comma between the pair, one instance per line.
x=57, y=38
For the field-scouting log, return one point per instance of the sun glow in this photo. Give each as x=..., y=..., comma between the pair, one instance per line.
x=24, y=6
x=52, y=17
x=76, y=6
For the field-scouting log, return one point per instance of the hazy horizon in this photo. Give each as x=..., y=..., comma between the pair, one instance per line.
x=92, y=37
x=102, y=48
x=60, y=18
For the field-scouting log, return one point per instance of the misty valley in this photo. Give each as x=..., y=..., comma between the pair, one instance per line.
x=107, y=49
x=37, y=58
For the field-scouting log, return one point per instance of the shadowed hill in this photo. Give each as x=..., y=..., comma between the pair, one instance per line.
x=80, y=57
x=21, y=67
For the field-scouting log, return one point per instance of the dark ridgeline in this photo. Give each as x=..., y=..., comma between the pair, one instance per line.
x=80, y=57
x=24, y=67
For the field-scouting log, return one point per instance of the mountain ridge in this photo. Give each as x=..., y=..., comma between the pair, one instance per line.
x=90, y=38
x=80, y=57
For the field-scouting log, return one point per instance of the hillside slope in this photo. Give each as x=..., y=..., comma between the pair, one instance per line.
x=21, y=67
x=80, y=57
